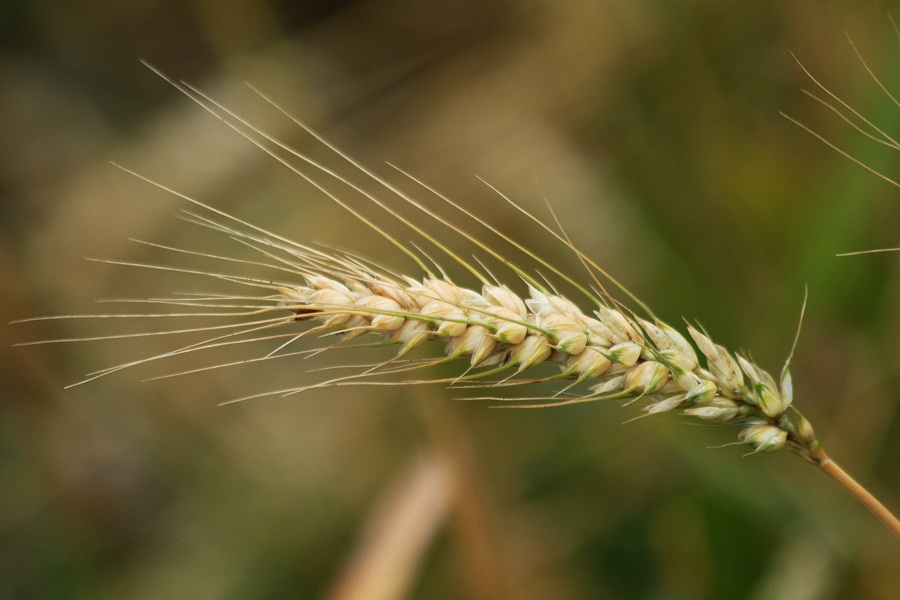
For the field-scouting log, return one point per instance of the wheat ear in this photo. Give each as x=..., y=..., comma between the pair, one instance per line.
x=606, y=353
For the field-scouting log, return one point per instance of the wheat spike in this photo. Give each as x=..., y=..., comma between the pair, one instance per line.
x=500, y=337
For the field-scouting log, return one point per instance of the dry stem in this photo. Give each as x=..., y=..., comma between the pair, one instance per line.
x=831, y=468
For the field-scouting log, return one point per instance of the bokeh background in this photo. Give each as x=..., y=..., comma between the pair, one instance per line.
x=652, y=128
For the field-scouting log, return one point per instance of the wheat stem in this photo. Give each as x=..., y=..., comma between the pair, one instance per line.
x=831, y=468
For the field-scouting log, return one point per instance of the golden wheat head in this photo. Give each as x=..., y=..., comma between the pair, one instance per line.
x=498, y=332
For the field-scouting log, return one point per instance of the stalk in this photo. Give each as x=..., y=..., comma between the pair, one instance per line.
x=833, y=470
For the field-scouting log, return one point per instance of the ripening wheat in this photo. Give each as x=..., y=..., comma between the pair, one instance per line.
x=497, y=332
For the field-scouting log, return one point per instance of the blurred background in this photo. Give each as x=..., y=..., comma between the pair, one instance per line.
x=652, y=128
